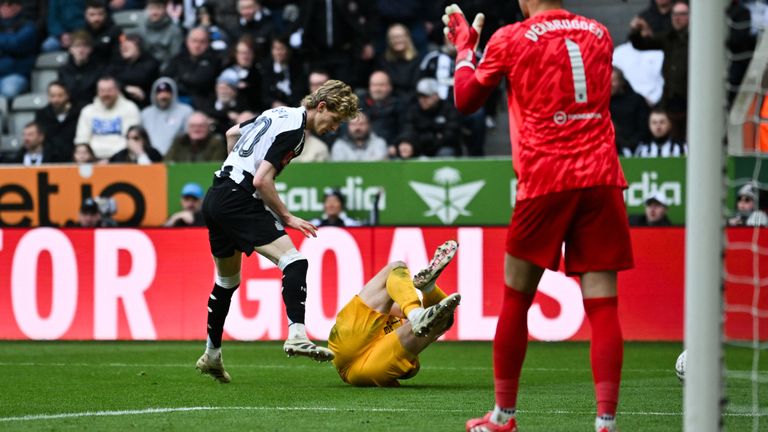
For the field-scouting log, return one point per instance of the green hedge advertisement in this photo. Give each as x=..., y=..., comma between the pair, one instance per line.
x=435, y=192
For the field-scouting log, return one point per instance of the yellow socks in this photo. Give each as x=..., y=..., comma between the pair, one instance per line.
x=433, y=297
x=401, y=290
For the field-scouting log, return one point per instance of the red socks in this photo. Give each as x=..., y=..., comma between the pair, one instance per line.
x=509, y=346
x=511, y=341
x=606, y=351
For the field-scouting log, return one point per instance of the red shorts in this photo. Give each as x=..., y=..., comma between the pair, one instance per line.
x=592, y=223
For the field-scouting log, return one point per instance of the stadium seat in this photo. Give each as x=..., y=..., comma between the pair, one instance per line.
x=52, y=60
x=17, y=121
x=127, y=19
x=9, y=144
x=41, y=78
x=29, y=101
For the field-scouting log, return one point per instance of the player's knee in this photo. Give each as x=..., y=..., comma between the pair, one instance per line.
x=397, y=264
x=289, y=258
x=228, y=282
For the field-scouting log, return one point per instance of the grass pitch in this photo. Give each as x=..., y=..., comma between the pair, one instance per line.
x=154, y=386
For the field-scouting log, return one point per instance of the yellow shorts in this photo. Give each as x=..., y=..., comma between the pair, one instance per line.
x=368, y=351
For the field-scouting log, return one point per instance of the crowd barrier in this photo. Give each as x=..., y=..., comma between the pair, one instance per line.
x=152, y=284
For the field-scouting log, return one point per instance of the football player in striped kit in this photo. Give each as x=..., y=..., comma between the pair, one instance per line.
x=244, y=213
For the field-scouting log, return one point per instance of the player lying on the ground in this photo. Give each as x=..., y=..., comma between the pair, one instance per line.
x=372, y=344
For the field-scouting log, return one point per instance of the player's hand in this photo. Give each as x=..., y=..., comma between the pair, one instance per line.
x=459, y=32
x=300, y=224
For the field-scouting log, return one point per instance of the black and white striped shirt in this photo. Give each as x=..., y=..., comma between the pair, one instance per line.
x=276, y=136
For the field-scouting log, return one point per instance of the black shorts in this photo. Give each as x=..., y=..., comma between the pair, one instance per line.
x=236, y=220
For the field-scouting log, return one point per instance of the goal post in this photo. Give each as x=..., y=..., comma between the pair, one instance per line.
x=704, y=240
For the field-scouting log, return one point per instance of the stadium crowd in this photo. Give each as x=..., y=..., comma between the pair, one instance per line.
x=186, y=70
x=167, y=84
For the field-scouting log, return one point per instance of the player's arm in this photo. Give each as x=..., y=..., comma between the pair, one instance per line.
x=469, y=93
x=232, y=134
x=264, y=182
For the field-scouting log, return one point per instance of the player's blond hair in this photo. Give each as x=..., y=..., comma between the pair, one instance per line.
x=338, y=97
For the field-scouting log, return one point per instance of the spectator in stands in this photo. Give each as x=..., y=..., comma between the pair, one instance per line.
x=658, y=16
x=138, y=149
x=256, y=22
x=400, y=61
x=166, y=117
x=433, y=123
x=118, y=5
x=105, y=34
x=629, y=113
x=415, y=16
x=747, y=211
x=439, y=64
x=195, y=69
x=661, y=143
x=315, y=149
x=103, y=123
x=191, y=213
x=83, y=154
x=405, y=147
x=227, y=107
x=359, y=143
x=384, y=110
x=655, y=212
x=316, y=78
x=64, y=17
x=198, y=144
x=80, y=73
x=334, y=213
x=89, y=215
x=674, y=43
x=283, y=81
x=35, y=149
x=332, y=36
x=741, y=44
x=58, y=120
x=163, y=39
x=205, y=17
x=18, y=39
x=135, y=70
x=249, y=78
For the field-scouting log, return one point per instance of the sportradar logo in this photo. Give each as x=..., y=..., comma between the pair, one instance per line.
x=448, y=199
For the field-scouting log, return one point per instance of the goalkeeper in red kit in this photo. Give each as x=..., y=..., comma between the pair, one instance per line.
x=558, y=71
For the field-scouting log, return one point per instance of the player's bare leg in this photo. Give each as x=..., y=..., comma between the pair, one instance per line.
x=227, y=281
x=510, y=343
x=607, y=348
x=294, y=266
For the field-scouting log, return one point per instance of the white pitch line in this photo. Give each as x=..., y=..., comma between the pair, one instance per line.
x=36, y=417
x=289, y=366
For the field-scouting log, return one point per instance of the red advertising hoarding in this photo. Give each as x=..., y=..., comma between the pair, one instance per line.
x=153, y=284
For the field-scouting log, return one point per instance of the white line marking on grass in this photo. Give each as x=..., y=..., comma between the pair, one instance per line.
x=35, y=417
x=298, y=366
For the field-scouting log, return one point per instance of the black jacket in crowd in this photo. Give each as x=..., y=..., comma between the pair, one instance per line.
x=629, y=112
x=60, y=134
x=106, y=41
x=81, y=80
x=386, y=117
x=141, y=73
x=195, y=76
x=434, y=129
x=656, y=20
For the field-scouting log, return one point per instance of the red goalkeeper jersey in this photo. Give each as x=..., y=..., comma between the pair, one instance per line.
x=558, y=70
